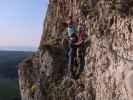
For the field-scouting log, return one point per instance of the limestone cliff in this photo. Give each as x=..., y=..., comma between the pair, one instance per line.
x=109, y=57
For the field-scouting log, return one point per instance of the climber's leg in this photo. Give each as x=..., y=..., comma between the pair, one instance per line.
x=83, y=55
x=75, y=63
x=82, y=58
x=70, y=61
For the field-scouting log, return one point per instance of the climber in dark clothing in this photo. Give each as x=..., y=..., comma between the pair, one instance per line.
x=72, y=54
x=73, y=43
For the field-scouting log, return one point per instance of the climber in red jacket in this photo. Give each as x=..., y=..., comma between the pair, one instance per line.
x=81, y=51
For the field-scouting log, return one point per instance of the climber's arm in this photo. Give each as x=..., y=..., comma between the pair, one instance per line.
x=78, y=43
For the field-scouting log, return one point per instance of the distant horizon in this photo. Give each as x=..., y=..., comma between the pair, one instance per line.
x=19, y=48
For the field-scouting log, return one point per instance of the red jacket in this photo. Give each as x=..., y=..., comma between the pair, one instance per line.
x=82, y=32
x=82, y=35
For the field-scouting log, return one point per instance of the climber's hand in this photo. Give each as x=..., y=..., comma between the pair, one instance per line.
x=79, y=43
x=72, y=39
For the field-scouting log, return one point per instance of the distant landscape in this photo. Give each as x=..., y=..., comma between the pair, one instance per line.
x=9, y=61
x=18, y=48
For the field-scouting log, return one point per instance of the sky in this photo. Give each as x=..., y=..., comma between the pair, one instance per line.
x=21, y=22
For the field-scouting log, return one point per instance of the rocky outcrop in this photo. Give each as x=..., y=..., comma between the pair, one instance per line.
x=108, y=58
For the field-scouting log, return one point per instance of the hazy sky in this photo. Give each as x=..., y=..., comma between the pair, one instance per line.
x=21, y=22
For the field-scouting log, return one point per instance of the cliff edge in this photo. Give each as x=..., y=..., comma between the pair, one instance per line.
x=108, y=61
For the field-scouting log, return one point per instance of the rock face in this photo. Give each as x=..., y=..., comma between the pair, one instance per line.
x=108, y=59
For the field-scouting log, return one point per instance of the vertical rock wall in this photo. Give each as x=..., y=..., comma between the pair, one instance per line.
x=109, y=58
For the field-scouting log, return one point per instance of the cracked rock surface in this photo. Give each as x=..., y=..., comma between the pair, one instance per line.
x=108, y=73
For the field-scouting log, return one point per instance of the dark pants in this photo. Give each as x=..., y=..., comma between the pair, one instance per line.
x=72, y=58
x=82, y=57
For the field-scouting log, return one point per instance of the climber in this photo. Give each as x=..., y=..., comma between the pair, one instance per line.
x=81, y=50
x=73, y=43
